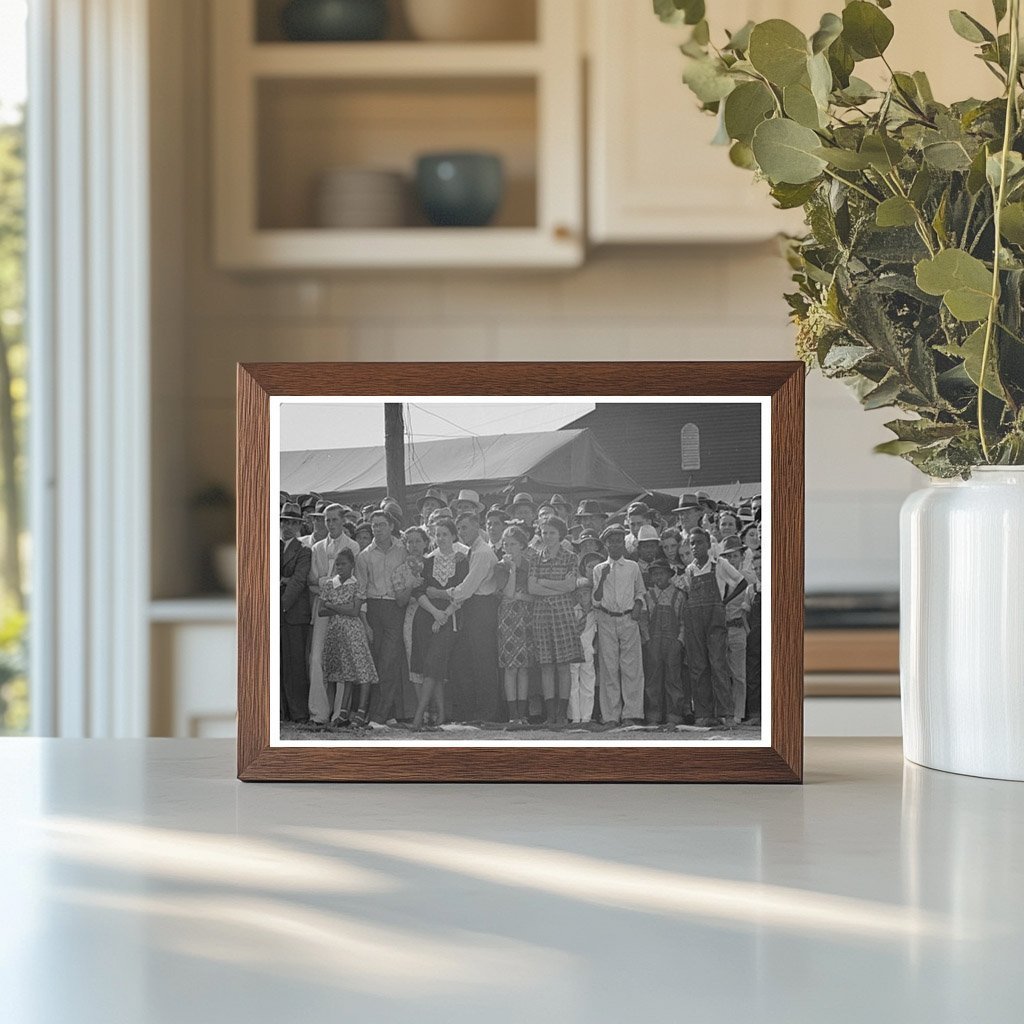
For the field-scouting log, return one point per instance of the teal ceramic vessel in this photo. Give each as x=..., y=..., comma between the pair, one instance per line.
x=334, y=21
x=460, y=189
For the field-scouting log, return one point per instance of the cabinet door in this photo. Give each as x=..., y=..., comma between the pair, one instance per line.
x=653, y=174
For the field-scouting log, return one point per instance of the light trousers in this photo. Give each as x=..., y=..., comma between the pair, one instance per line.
x=621, y=667
x=319, y=701
x=582, y=676
x=736, y=659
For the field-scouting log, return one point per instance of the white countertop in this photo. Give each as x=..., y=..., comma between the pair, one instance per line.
x=143, y=885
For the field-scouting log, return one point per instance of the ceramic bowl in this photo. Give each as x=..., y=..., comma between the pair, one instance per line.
x=460, y=189
x=334, y=20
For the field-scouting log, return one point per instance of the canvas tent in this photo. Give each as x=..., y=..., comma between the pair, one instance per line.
x=569, y=462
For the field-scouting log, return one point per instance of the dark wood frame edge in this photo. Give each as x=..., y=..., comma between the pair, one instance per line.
x=781, y=762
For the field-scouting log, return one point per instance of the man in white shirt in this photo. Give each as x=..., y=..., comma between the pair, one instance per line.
x=375, y=569
x=618, y=599
x=706, y=580
x=476, y=690
x=324, y=552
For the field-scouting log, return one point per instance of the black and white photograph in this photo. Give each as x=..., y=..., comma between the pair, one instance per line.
x=541, y=571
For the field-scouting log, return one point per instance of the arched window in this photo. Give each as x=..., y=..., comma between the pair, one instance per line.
x=689, y=443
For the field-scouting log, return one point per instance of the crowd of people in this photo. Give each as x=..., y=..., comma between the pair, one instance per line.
x=525, y=615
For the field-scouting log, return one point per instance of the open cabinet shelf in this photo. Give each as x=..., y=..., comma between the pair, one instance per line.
x=287, y=114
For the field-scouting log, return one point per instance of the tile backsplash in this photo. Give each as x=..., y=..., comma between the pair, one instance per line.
x=718, y=302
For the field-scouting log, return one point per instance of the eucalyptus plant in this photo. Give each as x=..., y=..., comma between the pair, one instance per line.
x=909, y=279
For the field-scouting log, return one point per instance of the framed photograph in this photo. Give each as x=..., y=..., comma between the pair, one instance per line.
x=512, y=572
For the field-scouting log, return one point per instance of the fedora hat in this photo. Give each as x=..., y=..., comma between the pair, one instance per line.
x=433, y=494
x=468, y=497
x=589, y=507
x=638, y=508
x=557, y=499
x=291, y=511
x=497, y=512
x=687, y=503
x=319, y=508
x=613, y=528
x=729, y=545
x=523, y=498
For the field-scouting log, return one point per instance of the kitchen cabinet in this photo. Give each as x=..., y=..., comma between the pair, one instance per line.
x=286, y=113
x=653, y=175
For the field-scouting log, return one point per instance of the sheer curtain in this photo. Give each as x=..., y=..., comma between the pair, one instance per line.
x=88, y=302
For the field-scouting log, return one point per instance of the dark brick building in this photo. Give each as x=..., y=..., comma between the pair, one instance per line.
x=719, y=443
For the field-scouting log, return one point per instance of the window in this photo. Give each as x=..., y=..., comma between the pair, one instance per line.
x=14, y=704
x=689, y=442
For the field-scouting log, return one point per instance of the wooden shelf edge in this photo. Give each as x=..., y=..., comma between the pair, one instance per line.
x=392, y=60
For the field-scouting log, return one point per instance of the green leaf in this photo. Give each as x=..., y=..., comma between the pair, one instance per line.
x=841, y=60
x=785, y=152
x=946, y=156
x=866, y=29
x=963, y=281
x=1014, y=169
x=789, y=197
x=820, y=76
x=829, y=30
x=895, y=212
x=976, y=173
x=742, y=155
x=676, y=12
x=999, y=7
x=968, y=28
x=923, y=431
x=921, y=185
x=971, y=352
x=1011, y=226
x=939, y=220
x=844, y=159
x=778, y=50
x=707, y=80
x=924, y=88
x=739, y=41
x=885, y=394
x=895, y=447
x=745, y=108
x=800, y=105
x=883, y=153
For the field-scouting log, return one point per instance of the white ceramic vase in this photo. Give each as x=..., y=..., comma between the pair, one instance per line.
x=962, y=624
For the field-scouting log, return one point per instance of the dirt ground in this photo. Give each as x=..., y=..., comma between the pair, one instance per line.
x=497, y=732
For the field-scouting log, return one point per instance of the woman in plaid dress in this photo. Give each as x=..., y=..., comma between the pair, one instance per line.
x=556, y=641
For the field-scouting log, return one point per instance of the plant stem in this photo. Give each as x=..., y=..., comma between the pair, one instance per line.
x=993, y=308
x=855, y=187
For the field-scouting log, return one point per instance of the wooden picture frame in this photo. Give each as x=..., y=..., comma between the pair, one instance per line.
x=779, y=760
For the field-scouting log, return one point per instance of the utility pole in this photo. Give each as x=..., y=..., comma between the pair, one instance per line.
x=394, y=451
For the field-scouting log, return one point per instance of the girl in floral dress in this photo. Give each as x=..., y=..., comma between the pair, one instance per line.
x=347, y=660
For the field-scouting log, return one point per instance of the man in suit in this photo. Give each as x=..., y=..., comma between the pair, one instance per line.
x=296, y=559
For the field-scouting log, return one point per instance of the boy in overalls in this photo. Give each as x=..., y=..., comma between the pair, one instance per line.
x=705, y=579
x=663, y=688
